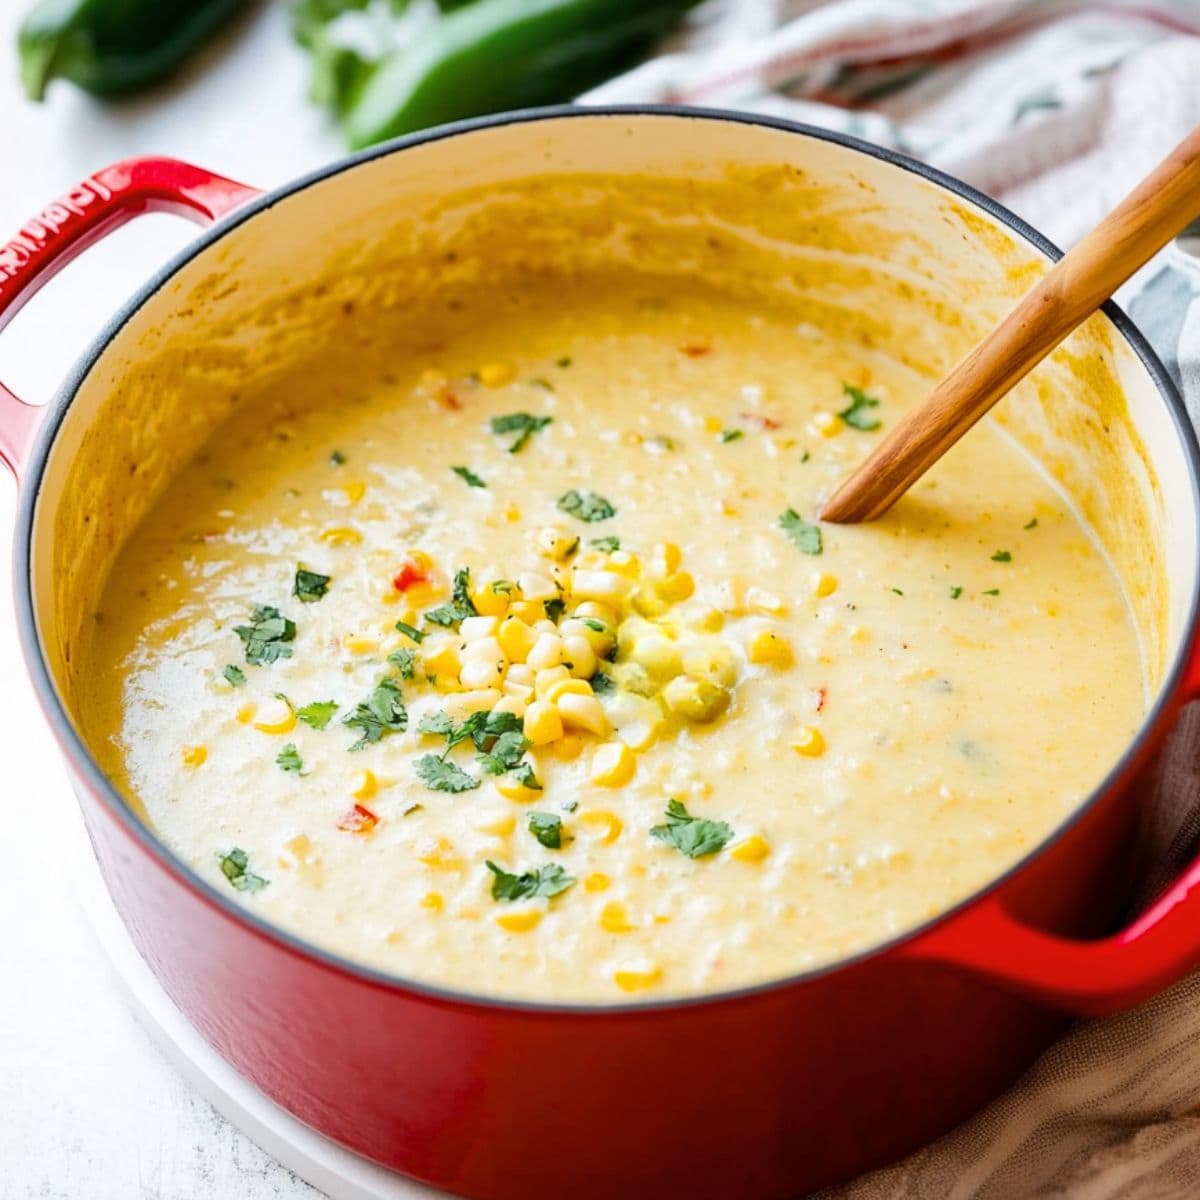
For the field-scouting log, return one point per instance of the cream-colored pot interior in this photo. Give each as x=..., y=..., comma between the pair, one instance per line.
x=849, y=241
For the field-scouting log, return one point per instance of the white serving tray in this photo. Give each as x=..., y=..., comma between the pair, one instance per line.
x=338, y=1172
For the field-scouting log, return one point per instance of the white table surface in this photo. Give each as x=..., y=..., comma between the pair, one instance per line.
x=89, y=1108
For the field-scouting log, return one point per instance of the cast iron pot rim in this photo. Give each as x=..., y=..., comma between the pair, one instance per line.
x=81, y=758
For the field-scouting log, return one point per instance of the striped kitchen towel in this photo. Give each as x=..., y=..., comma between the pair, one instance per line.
x=1055, y=107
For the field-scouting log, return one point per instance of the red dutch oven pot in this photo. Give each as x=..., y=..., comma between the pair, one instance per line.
x=764, y=1092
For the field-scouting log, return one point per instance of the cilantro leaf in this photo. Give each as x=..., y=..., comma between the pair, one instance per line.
x=409, y=632
x=310, y=586
x=805, y=536
x=289, y=758
x=318, y=714
x=521, y=423
x=555, y=608
x=469, y=477
x=505, y=754
x=731, y=435
x=585, y=506
x=380, y=714
x=267, y=635
x=549, y=880
x=460, y=606
x=602, y=682
x=690, y=835
x=547, y=828
x=1030, y=524
x=337, y=459
x=235, y=866
x=235, y=675
x=441, y=776
x=955, y=592
x=523, y=774
x=1002, y=556
x=607, y=544
x=405, y=661
x=857, y=415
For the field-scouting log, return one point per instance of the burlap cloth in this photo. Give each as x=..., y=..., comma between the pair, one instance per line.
x=1056, y=108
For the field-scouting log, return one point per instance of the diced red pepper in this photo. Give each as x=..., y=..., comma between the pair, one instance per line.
x=358, y=820
x=695, y=349
x=410, y=574
x=819, y=698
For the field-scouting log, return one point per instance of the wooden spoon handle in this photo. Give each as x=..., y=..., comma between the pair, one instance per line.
x=1154, y=212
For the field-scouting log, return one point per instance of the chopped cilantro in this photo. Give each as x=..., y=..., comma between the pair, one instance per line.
x=569, y=806
x=441, y=776
x=235, y=866
x=731, y=435
x=460, y=606
x=469, y=476
x=547, y=881
x=690, y=835
x=955, y=592
x=555, y=609
x=267, y=635
x=606, y=544
x=547, y=828
x=857, y=414
x=409, y=632
x=805, y=536
x=412, y=808
x=992, y=592
x=309, y=586
x=337, y=459
x=594, y=625
x=234, y=675
x=544, y=384
x=318, y=714
x=1032, y=524
x=524, y=424
x=380, y=714
x=405, y=661
x=289, y=758
x=805, y=457
x=602, y=682
x=585, y=506
x=505, y=754
x=897, y=591
x=563, y=362
x=523, y=774
x=1002, y=556
x=502, y=587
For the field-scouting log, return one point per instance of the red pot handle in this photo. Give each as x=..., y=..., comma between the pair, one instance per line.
x=93, y=208
x=1090, y=978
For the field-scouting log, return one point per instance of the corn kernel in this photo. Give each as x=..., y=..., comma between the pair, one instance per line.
x=360, y=643
x=510, y=789
x=433, y=901
x=657, y=654
x=546, y=652
x=280, y=717
x=767, y=647
x=529, y=611
x=441, y=658
x=489, y=602
x=583, y=712
x=516, y=639
x=363, y=784
x=547, y=677
x=608, y=587
x=496, y=374
x=667, y=558
x=194, y=756
x=707, y=620
x=568, y=687
x=648, y=602
x=597, y=882
x=597, y=611
x=809, y=741
x=512, y=514
x=543, y=722
x=711, y=659
x=695, y=699
x=827, y=424
x=824, y=584
x=608, y=825
x=758, y=600
x=521, y=674
x=612, y=765
x=623, y=562
x=614, y=918
x=577, y=651
x=511, y=704
x=439, y=852
x=555, y=543
x=245, y=714
x=637, y=978
x=340, y=535
x=354, y=491
x=713, y=425
x=477, y=629
x=677, y=587
x=519, y=922
x=751, y=850
x=481, y=673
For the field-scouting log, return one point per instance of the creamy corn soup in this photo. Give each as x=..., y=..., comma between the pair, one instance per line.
x=521, y=664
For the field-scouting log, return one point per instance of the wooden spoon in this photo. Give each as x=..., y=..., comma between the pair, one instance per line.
x=1156, y=210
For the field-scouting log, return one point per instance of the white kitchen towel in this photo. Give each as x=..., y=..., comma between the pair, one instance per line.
x=1055, y=107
